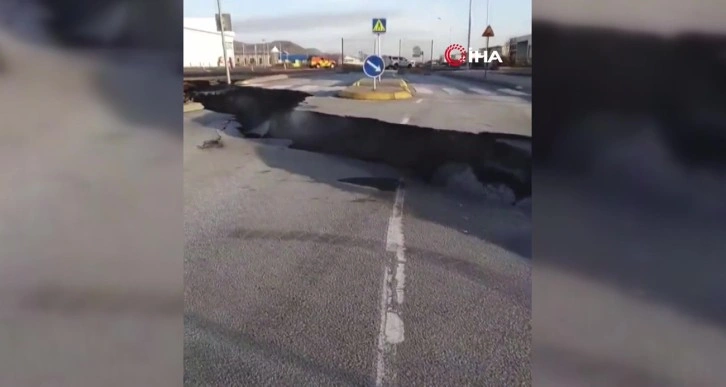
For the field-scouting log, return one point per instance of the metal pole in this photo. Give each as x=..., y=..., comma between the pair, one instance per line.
x=399, y=48
x=342, y=52
x=486, y=65
x=432, y=54
x=379, y=54
x=468, y=39
x=224, y=42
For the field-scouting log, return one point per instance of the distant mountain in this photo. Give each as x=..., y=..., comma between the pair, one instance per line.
x=282, y=45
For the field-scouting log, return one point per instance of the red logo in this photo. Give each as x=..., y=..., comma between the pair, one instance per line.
x=455, y=62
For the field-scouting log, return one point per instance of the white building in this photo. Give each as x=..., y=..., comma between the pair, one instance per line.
x=203, y=43
x=520, y=50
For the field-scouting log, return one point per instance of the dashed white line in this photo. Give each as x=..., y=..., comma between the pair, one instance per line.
x=480, y=91
x=513, y=92
x=423, y=90
x=450, y=91
x=419, y=100
x=392, y=328
x=405, y=120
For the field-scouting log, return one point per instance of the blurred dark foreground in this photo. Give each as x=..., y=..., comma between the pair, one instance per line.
x=628, y=248
x=91, y=224
x=629, y=210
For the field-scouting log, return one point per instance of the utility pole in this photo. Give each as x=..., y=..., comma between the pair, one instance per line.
x=224, y=41
x=486, y=65
x=468, y=40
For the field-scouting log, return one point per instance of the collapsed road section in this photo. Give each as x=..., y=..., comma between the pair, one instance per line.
x=494, y=159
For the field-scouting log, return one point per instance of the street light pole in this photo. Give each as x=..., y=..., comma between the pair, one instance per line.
x=442, y=20
x=224, y=41
x=468, y=39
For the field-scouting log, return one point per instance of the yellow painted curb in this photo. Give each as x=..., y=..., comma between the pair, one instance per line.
x=404, y=86
x=193, y=107
x=370, y=95
x=402, y=83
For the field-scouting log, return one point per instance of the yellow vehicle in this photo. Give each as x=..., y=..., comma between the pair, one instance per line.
x=319, y=62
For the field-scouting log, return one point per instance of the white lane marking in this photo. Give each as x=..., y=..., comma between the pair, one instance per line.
x=392, y=328
x=451, y=91
x=419, y=100
x=307, y=88
x=278, y=87
x=480, y=91
x=513, y=92
x=405, y=120
x=335, y=88
x=423, y=90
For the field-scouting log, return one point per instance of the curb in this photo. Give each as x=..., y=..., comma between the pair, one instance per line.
x=370, y=95
x=404, y=86
x=263, y=79
x=401, y=83
x=193, y=107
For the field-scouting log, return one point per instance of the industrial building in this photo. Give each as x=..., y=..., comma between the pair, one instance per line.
x=261, y=54
x=492, y=49
x=203, y=43
x=519, y=50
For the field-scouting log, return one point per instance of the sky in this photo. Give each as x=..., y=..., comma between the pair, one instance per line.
x=415, y=22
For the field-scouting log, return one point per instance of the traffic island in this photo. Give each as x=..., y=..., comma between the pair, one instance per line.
x=193, y=107
x=386, y=90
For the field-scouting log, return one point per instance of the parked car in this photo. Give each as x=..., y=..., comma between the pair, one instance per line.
x=394, y=62
x=320, y=62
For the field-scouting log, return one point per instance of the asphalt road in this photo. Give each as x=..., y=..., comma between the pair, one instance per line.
x=295, y=278
x=439, y=102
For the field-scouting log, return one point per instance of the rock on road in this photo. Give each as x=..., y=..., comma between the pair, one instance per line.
x=285, y=266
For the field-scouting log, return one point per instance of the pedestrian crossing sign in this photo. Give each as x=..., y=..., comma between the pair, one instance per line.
x=379, y=26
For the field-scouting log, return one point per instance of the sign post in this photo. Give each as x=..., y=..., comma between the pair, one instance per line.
x=378, y=27
x=488, y=32
x=373, y=67
x=223, y=27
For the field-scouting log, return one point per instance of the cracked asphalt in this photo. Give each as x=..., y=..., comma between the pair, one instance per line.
x=284, y=263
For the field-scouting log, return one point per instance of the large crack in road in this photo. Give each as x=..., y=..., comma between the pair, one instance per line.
x=437, y=156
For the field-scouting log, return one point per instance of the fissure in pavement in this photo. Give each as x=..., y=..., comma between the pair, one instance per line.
x=437, y=156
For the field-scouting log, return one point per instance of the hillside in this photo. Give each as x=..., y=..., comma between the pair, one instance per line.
x=283, y=45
